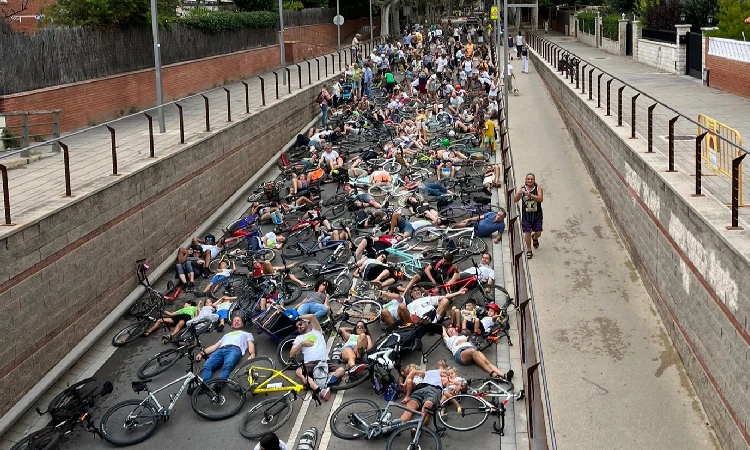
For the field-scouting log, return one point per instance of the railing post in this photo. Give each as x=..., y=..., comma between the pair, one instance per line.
x=247, y=94
x=289, y=79
x=317, y=61
x=66, y=162
x=583, y=85
x=619, y=106
x=609, y=83
x=650, y=138
x=309, y=72
x=24, y=130
x=208, y=120
x=56, y=130
x=229, y=105
x=299, y=75
x=736, y=193
x=114, y=149
x=578, y=74
x=6, y=194
x=632, y=115
x=698, y=165
x=325, y=63
x=599, y=90
x=671, y=143
x=150, y=134
x=276, y=75
x=591, y=84
x=182, y=123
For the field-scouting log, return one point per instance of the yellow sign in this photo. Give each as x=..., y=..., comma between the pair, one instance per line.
x=493, y=13
x=718, y=153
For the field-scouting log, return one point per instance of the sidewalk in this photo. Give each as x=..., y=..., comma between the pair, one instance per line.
x=39, y=187
x=680, y=92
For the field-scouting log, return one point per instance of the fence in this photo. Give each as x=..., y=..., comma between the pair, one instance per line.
x=309, y=16
x=729, y=48
x=660, y=35
x=684, y=149
x=541, y=434
x=32, y=128
x=131, y=139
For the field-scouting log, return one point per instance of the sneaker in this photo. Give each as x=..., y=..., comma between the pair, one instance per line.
x=324, y=394
x=357, y=369
x=509, y=375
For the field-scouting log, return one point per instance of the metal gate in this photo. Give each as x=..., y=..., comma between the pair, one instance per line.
x=629, y=39
x=694, y=63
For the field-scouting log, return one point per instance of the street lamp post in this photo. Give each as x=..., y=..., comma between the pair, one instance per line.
x=157, y=65
x=505, y=60
x=281, y=41
x=338, y=28
x=371, y=32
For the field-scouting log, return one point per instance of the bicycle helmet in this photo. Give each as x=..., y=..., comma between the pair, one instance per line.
x=210, y=239
x=446, y=142
x=451, y=133
x=493, y=307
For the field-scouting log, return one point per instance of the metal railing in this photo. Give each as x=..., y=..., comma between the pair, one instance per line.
x=219, y=107
x=541, y=433
x=645, y=114
x=28, y=130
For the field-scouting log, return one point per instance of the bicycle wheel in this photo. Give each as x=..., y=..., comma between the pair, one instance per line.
x=159, y=363
x=475, y=245
x=291, y=291
x=380, y=190
x=70, y=400
x=428, y=234
x=301, y=235
x=478, y=167
x=264, y=254
x=350, y=380
x=342, y=285
x=402, y=439
x=392, y=167
x=130, y=333
x=44, y=439
x=335, y=199
x=129, y=422
x=253, y=372
x=454, y=212
x=483, y=295
x=368, y=311
x=469, y=414
x=213, y=266
x=504, y=385
x=229, y=286
x=307, y=271
x=335, y=211
x=282, y=354
x=294, y=249
x=352, y=419
x=218, y=399
x=143, y=307
x=266, y=417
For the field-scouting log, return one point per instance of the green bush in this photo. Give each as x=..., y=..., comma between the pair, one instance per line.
x=257, y=5
x=731, y=17
x=218, y=21
x=108, y=13
x=9, y=140
x=587, y=22
x=611, y=27
x=317, y=3
x=293, y=6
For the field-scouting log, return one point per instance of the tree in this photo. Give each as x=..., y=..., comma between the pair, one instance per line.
x=731, y=17
x=257, y=5
x=697, y=12
x=661, y=14
x=109, y=13
x=7, y=11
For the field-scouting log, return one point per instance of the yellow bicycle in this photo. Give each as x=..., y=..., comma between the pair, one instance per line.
x=259, y=376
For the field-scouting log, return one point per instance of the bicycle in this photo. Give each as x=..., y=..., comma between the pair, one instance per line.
x=215, y=399
x=482, y=295
x=466, y=412
x=363, y=418
x=467, y=237
x=68, y=410
x=270, y=414
x=162, y=361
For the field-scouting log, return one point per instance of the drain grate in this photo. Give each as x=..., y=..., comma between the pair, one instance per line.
x=681, y=137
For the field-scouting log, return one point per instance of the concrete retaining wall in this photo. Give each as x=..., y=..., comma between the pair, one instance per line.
x=693, y=267
x=613, y=47
x=661, y=55
x=588, y=39
x=63, y=274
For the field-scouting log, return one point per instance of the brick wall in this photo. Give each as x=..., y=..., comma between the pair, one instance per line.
x=64, y=273
x=25, y=21
x=693, y=268
x=95, y=101
x=661, y=55
x=727, y=74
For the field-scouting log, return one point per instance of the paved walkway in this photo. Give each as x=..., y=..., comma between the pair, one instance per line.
x=615, y=380
x=39, y=188
x=682, y=93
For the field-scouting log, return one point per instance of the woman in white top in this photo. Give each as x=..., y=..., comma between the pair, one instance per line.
x=357, y=341
x=465, y=353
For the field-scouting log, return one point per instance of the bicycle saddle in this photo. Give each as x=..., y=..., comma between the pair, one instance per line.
x=139, y=386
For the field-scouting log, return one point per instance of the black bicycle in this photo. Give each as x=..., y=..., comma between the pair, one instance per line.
x=69, y=410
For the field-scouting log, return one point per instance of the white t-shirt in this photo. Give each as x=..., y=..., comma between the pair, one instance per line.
x=238, y=338
x=422, y=306
x=519, y=40
x=223, y=306
x=467, y=65
x=441, y=64
x=456, y=342
x=352, y=341
x=509, y=70
x=212, y=248
x=392, y=306
x=433, y=377
x=224, y=272
x=484, y=273
x=316, y=352
x=330, y=157
x=487, y=322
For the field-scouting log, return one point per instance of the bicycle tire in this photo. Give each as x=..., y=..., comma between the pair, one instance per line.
x=216, y=394
x=230, y=285
x=159, y=363
x=44, y=439
x=70, y=401
x=307, y=271
x=241, y=374
x=282, y=353
x=263, y=417
x=475, y=245
x=294, y=249
x=301, y=235
x=401, y=439
x=491, y=293
x=143, y=307
x=348, y=381
x=344, y=427
x=454, y=212
x=129, y=423
x=342, y=285
x=130, y=333
x=335, y=211
x=368, y=311
x=213, y=266
x=380, y=190
x=264, y=254
x=473, y=414
x=292, y=292
x=335, y=199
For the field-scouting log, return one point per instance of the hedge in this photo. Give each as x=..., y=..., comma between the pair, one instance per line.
x=587, y=23
x=611, y=27
x=219, y=21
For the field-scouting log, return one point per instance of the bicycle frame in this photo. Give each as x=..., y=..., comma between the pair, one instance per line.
x=186, y=380
x=263, y=388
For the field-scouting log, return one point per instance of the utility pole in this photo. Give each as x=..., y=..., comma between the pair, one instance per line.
x=157, y=65
x=281, y=41
x=371, y=32
x=505, y=59
x=338, y=28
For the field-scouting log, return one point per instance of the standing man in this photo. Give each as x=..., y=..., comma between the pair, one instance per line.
x=509, y=79
x=531, y=212
x=367, y=81
x=525, y=58
x=355, y=46
x=324, y=98
x=227, y=351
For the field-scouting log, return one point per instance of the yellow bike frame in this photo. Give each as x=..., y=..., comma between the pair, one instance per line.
x=263, y=387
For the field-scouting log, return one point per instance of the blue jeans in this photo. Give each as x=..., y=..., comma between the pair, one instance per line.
x=435, y=189
x=317, y=309
x=366, y=89
x=324, y=110
x=226, y=357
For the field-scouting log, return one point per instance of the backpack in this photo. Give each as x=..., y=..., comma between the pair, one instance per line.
x=271, y=190
x=316, y=175
x=253, y=241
